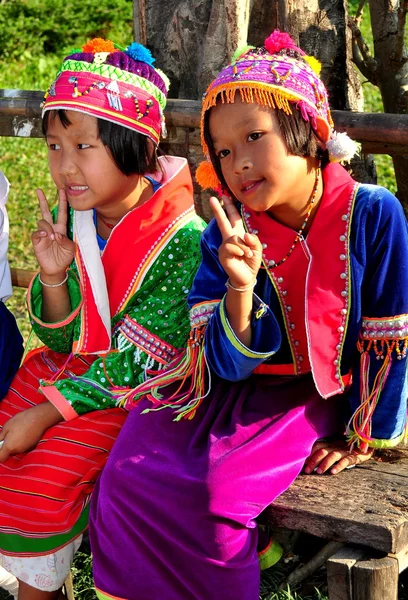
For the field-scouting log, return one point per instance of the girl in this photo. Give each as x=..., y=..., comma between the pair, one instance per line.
x=299, y=313
x=109, y=301
x=11, y=342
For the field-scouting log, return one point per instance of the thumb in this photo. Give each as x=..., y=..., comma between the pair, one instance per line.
x=4, y=453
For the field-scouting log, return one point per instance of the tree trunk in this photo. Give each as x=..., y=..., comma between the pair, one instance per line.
x=320, y=28
x=391, y=72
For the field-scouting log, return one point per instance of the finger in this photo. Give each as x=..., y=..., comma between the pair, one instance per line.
x=252, y=241
x=44, y=225
x=38, y=236
x=232, y=250
x=347, y=461
x=314, y=460
x=234, y=216
x=44, y=208
x=62, y=216
x=64, y=242
x=331, y=459
x=222, y=220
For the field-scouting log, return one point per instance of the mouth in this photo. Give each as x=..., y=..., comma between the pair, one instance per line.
x=250, y=186
x=76, y=190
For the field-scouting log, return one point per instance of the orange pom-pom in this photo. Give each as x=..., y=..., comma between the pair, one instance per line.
x=99, y=45
x=206, y=177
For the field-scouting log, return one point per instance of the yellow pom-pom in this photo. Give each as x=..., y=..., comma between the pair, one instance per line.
x=314, y=64
x=206, y=177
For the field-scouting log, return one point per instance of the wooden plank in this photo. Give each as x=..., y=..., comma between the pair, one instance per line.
x=378, y=132
x=375, y=579
x=21, y=277
x=357, y=506
x=401, y=558
x=339, y=578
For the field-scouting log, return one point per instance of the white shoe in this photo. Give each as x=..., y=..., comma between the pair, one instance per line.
x=9, y=583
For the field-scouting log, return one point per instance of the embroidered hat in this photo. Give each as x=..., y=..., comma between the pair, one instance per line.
x=112, y=83
x=277, y=75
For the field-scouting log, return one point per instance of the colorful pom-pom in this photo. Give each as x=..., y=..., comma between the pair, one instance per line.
x=165, y=78
x=240, y=52
x=140, y=53
x=314, y=64
x=99, y=45
x=206, y=177
x=341, y=147
x=279, y=41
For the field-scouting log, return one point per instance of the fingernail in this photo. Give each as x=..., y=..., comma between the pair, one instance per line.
x=52, y=236
x=319, y=471
x=307, y=470
x=250, y=254
x=334, y=471
x=43, y=233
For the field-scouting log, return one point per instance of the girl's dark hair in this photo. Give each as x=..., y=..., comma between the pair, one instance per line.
x=299, y=136
x=132, y=152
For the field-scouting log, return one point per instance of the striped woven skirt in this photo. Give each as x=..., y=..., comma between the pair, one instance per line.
x=45, y=493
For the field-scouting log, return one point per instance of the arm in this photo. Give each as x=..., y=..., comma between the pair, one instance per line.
x=55, y=303
x=379, y=388
x=242, y=329
x=54, y=252
x=23, y=431
x=379, y=391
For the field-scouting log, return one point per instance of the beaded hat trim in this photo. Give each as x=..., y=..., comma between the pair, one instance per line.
x=114, y=84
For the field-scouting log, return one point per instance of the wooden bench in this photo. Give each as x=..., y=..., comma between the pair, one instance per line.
x=365, y=508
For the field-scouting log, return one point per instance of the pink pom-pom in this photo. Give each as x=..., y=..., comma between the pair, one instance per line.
x=279, y=40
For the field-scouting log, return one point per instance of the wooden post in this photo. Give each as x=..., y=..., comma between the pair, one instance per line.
x=339, y=578
x=375, y=579
x=69, y=588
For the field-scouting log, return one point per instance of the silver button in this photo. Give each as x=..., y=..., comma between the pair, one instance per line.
x=280, y=279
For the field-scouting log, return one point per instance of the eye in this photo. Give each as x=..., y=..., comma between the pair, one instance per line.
x=53, y=147
x=254, y=136
x=223, y=153
x=83, y=146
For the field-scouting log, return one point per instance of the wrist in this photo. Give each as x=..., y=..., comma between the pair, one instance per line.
x=236, y=287
x=54, y=279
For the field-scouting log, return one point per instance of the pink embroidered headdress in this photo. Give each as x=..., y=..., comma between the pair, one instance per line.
x=112, y=83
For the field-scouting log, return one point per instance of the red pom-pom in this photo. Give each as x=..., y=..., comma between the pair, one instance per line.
x=98, y=45
x=279, y=40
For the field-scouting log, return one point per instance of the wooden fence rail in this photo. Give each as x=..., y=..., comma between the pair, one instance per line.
x=379, y=133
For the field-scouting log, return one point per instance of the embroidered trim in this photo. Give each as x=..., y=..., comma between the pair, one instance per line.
x=201, y=313
x=147, y=341
x=386, y=328
x=235, y=341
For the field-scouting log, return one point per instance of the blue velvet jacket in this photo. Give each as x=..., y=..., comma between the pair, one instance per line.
x=338, y=307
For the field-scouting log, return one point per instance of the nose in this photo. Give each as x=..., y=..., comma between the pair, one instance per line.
x=67, y=164
x=242, y=162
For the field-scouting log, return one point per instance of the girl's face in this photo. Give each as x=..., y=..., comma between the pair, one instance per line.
x=81, y=165
x=254, y=160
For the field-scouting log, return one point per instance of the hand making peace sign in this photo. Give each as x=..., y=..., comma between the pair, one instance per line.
x=52, y=247
x=240, y=253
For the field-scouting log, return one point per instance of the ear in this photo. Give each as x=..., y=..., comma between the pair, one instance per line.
x=323, y=129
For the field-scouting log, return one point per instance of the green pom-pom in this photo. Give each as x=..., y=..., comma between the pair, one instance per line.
x=240, y=51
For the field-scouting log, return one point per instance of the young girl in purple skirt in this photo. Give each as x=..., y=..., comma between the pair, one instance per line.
x=299, y=317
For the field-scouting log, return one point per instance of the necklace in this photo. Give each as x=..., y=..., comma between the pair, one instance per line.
x=272, y=264
x=108, y=225
x=144, y=185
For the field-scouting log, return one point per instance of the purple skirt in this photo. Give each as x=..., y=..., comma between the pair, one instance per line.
x=173, y=514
